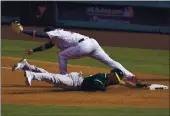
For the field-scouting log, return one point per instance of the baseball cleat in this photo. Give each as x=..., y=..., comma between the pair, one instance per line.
x=19, y=65
x=28, y=78
x=80, y=74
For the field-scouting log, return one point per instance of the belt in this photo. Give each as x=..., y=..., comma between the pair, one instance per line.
x=81, y=40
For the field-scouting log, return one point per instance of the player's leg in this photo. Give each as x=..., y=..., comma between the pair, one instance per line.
x=75, y=52
x=47, y=77
x=58, y=80
x=24, y=65
x=102, y=56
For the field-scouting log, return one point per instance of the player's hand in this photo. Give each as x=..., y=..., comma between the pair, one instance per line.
x=17, y=27
x=141, y=85
x=29, y=52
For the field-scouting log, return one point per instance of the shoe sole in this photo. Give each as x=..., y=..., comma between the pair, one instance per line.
x=15, y=65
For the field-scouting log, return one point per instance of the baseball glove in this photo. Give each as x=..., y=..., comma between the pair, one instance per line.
x=17, y=27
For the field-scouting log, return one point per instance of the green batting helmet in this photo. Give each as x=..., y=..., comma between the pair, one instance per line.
x=118, y=71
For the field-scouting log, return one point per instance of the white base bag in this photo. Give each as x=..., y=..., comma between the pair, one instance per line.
x=158, y=87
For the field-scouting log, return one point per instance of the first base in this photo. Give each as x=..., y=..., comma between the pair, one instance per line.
x=158, y=87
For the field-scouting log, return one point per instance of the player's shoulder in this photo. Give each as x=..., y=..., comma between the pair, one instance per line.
x=100, y=75
x=59, y=29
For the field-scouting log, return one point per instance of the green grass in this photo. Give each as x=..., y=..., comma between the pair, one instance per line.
x=135, y=60
x=31, y=110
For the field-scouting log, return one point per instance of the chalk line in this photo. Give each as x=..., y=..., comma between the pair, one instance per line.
x=6, y=68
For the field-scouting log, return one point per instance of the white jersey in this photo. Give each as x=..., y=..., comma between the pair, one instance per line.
x=64, y=39
x=72, y=49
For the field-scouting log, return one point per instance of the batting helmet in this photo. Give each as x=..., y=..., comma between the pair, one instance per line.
x=50, y=28
x=118, y=71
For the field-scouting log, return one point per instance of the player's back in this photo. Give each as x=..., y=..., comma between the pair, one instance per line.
x=88, y=82
x=65, y=38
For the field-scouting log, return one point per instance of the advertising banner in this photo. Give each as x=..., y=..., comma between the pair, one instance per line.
x=92, y=13
x=113, y=17
x=112, y=14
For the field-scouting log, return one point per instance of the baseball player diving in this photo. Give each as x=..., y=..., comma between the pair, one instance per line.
x=74, y=80
x=72, y=45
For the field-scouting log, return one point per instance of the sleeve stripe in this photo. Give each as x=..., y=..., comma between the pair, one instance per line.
x=99, y=82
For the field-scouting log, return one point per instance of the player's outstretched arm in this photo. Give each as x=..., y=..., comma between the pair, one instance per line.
x=133, y=84
x=129, y=84
x=35, y=33
x=18, y=28
x=46, y=46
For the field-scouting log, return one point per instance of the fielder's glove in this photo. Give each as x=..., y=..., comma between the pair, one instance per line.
x=17, y=27
x=29, y=52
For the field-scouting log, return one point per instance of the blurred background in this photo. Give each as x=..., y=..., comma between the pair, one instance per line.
x=143, y=24
x=145, y=16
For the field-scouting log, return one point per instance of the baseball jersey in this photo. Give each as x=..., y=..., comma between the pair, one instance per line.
x=64, y=39
x=95, y=82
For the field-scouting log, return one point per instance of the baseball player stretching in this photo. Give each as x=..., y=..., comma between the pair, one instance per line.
x=74, y=80
x=72, y=45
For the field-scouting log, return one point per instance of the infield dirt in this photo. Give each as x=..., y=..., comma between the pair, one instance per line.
x=14, y=90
